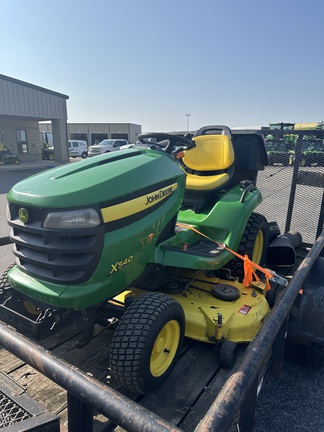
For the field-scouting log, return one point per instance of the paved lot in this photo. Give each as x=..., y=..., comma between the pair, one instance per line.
x=294, y=403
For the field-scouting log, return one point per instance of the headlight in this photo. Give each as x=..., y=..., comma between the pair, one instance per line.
x=74, y=219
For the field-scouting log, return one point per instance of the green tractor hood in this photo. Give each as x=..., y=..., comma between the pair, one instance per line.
x=135, y=195
x=95, y=180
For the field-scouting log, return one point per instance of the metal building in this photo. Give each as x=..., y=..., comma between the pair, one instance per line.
x=22, y=106
x=93, y=133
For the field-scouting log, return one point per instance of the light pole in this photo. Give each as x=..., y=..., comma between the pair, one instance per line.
x=188, y=115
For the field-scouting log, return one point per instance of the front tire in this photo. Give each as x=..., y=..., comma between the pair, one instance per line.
x=147, y=342
x=4, y=282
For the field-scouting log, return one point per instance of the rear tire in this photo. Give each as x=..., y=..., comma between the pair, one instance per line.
x=254, y=243
x=147, y=342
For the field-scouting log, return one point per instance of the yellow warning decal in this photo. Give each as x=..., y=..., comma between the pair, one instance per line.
x=136, y=205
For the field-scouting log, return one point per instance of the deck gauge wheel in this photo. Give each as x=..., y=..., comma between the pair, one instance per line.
x=227, y=353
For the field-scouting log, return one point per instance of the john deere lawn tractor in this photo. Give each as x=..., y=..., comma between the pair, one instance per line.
x=6, y=155
x=47, y=151
x=164, y=236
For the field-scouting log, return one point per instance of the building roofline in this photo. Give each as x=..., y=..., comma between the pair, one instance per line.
x=103, y=123
x=32, y=86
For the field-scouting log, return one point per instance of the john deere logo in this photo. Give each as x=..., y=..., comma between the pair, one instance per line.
x=23, y=215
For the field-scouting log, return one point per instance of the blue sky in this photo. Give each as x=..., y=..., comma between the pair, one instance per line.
x=233, y=62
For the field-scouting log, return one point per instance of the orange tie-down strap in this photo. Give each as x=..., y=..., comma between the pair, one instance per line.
x=249, y=266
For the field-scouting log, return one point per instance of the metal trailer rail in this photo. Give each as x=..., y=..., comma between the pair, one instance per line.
x=237, y=397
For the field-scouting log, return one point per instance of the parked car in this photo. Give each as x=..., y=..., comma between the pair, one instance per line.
x=127, y=146
x=106, y=146
x=78, y=148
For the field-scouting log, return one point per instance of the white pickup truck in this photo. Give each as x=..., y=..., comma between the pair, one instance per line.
x=106, y=146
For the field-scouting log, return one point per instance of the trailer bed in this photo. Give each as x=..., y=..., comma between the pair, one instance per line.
x=182, y=400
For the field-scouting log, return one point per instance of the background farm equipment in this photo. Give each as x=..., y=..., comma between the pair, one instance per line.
x=47, y=151
x=281, y=144
x=278, y=151
x=6, y=155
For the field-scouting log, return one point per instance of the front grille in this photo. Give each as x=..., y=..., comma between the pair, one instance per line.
x=60, y=256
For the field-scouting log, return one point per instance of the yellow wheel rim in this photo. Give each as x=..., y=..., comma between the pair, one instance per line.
x=165, y=348
x=258, y=248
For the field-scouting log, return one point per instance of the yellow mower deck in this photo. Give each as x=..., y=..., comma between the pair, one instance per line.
x=210, y=319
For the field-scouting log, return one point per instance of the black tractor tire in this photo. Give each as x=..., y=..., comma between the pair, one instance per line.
x=30, y=308
x=147, y=342
x=286, y=161
x=321, y=160
x=305, y=161
x=254, y=243
x=227, y=354
x=51, y=156
x=4, y=282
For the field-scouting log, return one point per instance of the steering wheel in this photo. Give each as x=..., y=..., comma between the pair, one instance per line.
x=174, y=141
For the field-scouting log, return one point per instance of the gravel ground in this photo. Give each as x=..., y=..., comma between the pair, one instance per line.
x=294, y=403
